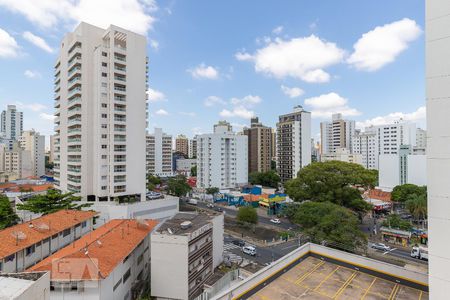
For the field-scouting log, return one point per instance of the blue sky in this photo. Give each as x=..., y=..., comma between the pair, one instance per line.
x=213, y=60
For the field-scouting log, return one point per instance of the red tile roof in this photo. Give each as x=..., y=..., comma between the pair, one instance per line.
x=18, y=237
x=379, y=195
x=96, y=255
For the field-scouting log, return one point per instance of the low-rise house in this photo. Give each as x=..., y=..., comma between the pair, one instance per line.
x=112, y=262
x=23, y=245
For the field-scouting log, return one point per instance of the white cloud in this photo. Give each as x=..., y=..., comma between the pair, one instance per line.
x=204, y=72
x=162, y=112
x=383, y=44
x=37, y=41
x=247, y=101
x=32, y=74
x=237, y=112
x=8, y=45
x=325, y=105
x=155, y=96
x=292, y=92
x=133, y=15
x=31, y=106
x=154, y=44
x=302, y=58
x=197, y=130
x=213, y=100
x=189, y=114
x=238, y=125
x=416, y=116
x=277, y=30
x=46, y=116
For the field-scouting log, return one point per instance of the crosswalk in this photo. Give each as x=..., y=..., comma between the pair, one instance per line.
x=228, y=255
x=230, y=246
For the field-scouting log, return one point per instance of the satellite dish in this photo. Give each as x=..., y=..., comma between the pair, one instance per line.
x=170, y=230
x=19, y=235
x=99, y=243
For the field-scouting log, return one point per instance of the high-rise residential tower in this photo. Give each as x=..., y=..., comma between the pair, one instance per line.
x=11, y=123
x=182, y=145
x=193, y=147
x=222, y=160
x=438, y=139
x=33, y=142
x=336, y=134
x=259, y=146
x=159, y=153
x=293, y=143
x=100, y=124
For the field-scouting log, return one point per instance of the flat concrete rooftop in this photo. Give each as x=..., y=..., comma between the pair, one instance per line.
x=314, y=278
x=197, y=219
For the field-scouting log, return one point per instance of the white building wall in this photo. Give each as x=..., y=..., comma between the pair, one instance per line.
x=217, y=235
x=417, y=167
x=33, y=142
x=389, y=171
x=159, y=154
x=11, y=125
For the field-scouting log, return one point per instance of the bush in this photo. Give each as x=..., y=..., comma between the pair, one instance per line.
x=247, y=215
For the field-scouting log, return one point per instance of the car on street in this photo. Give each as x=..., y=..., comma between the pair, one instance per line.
x=381, y=246
x=210, y=205
x=275, y=221
x=219, y=209
x=239, y=243
x=250, y=250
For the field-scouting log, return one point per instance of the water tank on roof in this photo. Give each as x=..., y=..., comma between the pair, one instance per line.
x=186, y=224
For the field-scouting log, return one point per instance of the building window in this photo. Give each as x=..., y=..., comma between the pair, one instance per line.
x=104, y=64
x=104, y=146
x=117, y=284
x=126, y=275
x=104, y=54
x=104, y=188
x=83, y=224
x=104, y=156
x=104, y=74
x=104, y=136
x=104, y=105
x=66, y=232
x=104, y=116
x=104, y=126
x=30, y=250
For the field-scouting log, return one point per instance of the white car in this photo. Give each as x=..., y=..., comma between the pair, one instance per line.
x=210, y=205
x=381, y=246
x=250, y=250
x=275, y=221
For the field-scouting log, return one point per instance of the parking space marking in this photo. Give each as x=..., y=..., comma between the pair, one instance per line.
x=298, y=281
x=339, y=292
x=328, y=276
x=367, y=291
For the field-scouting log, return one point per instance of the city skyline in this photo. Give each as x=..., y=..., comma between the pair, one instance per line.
x=220, y=75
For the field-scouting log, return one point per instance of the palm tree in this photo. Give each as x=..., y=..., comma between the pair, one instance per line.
x=417, y=206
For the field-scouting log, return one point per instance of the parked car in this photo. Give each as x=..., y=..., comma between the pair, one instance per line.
x=239, y=243
x=275, y=221
x=250, y=250
x=381, y=246
x=210, y=205
x=192, y=202
x=217, y=208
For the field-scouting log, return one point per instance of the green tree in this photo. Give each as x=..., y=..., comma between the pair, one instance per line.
x=247, y=215
x=7, y=215
x=178, y=186
x=401, y=193
x=269, y=178
x=212, y=190
x=394, y=221
x=51, y=202
x=417, y=206
x=330, y=224
x=334, y=181
x=152, y=182
x=273, y=165
x=194, y=171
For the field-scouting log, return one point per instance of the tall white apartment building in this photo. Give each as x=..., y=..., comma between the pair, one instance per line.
x=193, y=147
x=421, y=141
x=11, y=123
x=16, y=162
x=337, y=134
x=100, y=124
x=383, y=139
x=222, y=158
x=159, y=153
x=33, y=142
x=438, y=152
x=293, y=143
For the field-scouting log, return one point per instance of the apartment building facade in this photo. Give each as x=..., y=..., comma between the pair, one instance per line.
x=342, y=154
x=113, y=262
x=222, y=158
x=293, y=143
x=185, y=250
x=101, y=110
x=24, y=245
x=182, y=145
x=11, y=123
x=259, y=146
x=337, y=134
x=15, y=162
x=366, y=145
x=193, y=147
x=34, y=143
x=159, y=153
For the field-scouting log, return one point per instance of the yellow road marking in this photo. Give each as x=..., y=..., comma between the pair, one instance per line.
x=394, y=291
x=362, y=298
x=339, y=292
x=420, y=295
x=328, y=276
x=309, y=273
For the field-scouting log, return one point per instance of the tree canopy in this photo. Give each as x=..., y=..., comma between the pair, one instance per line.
x=7, y=215
x=269, y=178
x=51, y=202
x=194, y=171
x=396, y=222
x=212, y=190
x=178, y=186
x=402, y=193
x=247, y=214
x=417, y=206
x=333, y=181
x=330, y=224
